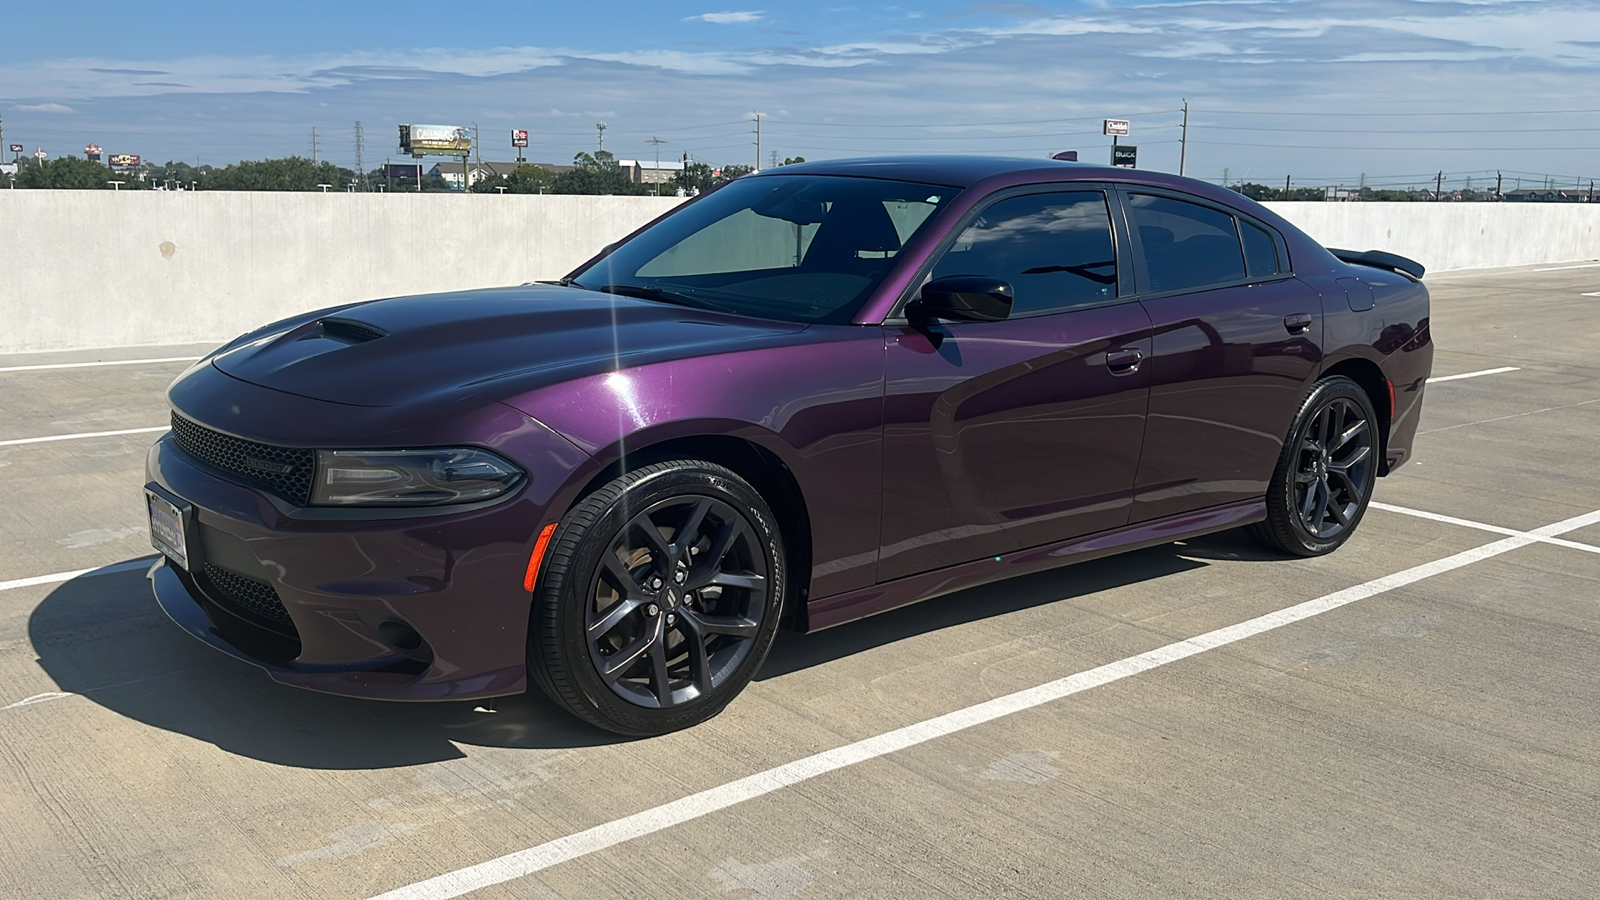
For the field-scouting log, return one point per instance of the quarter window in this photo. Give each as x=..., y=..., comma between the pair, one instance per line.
x=1055, y=250
x=1186, y=245
x=1260, y=250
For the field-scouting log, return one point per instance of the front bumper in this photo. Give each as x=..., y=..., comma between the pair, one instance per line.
x=430, y=607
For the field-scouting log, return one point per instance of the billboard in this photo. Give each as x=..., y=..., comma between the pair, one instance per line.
x=1117, y=126
x=124, y=160
x=1125, y=155
x=401, y=170
x=449, y=140
x=16, y=148
x=519, y=137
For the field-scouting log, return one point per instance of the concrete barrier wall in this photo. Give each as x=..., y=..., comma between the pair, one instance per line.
x=1444, y=236
x=84, y=269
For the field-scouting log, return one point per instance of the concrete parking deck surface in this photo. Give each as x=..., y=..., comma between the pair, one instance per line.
x=1438, y=736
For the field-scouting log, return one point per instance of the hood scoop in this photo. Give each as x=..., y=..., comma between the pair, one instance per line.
x=349, y=331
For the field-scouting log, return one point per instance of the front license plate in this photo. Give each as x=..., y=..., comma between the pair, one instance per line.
x=166, y=529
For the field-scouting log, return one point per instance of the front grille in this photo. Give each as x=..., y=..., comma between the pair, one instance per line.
x=285, y=471
x=248, y=594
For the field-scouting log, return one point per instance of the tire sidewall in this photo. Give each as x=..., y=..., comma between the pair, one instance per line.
x=1282, y=507
x=564, y=599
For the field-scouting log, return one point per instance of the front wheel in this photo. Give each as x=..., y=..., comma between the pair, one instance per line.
x=1325, y=474
x=659, y=599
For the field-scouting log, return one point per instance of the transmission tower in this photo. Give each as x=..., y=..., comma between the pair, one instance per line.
x=313, y=145
x=601, y=126
x=361, y=169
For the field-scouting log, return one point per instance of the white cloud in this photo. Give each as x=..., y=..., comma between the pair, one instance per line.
x=744, y=17
x=47, y=108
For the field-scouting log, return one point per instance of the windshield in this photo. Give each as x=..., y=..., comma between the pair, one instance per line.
x=798, y=248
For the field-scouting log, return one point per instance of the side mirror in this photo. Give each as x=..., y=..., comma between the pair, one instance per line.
x=968, y=298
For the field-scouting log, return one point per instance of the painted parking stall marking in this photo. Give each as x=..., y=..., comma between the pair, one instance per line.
x=17, y=442
x=659, y=818
x=93, y=365
x=1498, y=371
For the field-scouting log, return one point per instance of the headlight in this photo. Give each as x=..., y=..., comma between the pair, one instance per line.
x=411, y=477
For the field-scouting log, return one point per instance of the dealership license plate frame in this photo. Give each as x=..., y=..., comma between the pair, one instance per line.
x=170, y=526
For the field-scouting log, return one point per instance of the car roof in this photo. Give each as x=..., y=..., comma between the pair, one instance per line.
x=954, y=171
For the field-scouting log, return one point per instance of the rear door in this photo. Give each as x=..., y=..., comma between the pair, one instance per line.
x=1013, y=434
x=1237, y=341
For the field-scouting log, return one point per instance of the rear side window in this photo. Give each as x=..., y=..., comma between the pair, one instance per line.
x=1186, y=245
x=1260, y=251
x=1055, y=250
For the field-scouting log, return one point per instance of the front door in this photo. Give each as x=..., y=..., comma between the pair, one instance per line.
x=1000, y=436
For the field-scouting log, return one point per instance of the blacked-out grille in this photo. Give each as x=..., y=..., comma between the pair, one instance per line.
x=248, y=594
x=285, y=471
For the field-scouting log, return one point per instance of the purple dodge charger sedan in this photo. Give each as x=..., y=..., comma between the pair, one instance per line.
x=817, y=393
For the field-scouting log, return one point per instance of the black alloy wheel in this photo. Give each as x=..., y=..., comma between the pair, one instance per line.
x=1326, y=472
x=659, y=598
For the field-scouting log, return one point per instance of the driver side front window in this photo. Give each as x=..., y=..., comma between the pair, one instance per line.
x=1054, y=249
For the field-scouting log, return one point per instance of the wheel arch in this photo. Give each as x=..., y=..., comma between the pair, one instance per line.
x=762, y=466
x=1367, y=374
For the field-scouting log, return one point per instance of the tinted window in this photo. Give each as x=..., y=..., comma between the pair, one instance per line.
x=801, y=248
x=1054, y=249
x=1186, y=245
x=1260, y=250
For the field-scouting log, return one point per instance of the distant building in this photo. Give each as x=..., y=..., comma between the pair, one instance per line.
x=1546, y=195
x=451, y=171
x=651, y=173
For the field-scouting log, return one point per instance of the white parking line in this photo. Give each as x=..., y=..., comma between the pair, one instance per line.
x=659, y=818
x=109, y=362
x=1564, y=268
x=1439, y=378
x=1480, y=526
x=58, y=577
x=87, y=434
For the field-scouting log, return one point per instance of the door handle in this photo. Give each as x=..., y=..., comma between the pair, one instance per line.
x=1124, y=362
x=1297, y=323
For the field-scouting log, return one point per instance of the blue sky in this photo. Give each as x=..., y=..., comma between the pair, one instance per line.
x=1326, y=90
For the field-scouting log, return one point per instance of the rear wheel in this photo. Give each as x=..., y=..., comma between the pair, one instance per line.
x=659, y=599
x=1325, y=474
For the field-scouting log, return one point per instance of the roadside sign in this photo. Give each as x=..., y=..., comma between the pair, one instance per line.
x=1125, y=155
x=1117, y=127
x=16, y=148
x=519, y=137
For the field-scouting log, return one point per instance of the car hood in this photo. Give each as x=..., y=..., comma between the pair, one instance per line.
x=485, y=344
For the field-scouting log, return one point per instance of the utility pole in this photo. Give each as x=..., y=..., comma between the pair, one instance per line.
x=1183, y=140
x=758, y=142
x=1226, y=172
x=313, y=145
x=1438, y=186
x=1286, y=187
x=602, y=128
x=657, y=142
x=477, y=148
x=683, y=174
x=1497, y=180
x=361, y=168
x=1591, y=190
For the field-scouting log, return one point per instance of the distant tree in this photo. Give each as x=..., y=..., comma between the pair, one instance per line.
x=698, y=176
x=729, y=173
x=791, y=160
x=524, y=179
x=70, y=173
x=596, y=174
x=175, y=174
x=292, y=173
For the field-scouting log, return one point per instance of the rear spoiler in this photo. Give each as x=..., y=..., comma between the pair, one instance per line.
x=1381, y=260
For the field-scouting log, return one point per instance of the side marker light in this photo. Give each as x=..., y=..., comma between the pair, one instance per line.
x=532, y=578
